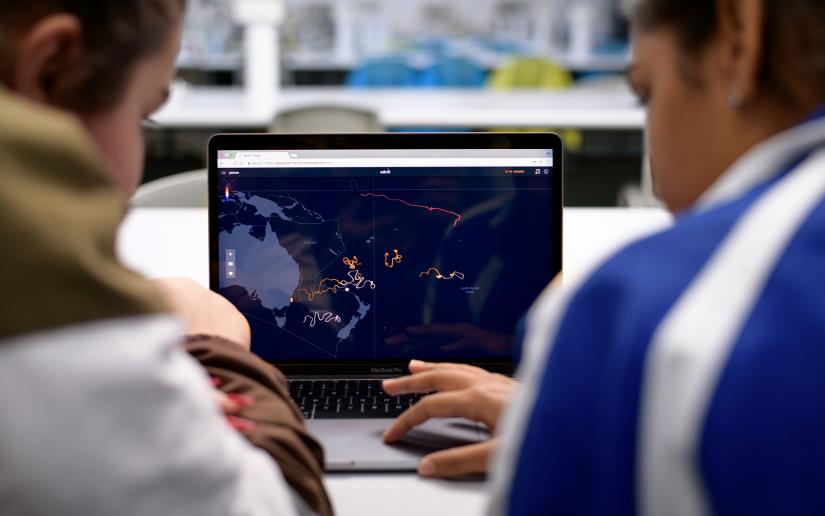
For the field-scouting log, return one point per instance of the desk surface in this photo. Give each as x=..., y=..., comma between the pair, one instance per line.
x=598, y=105
x=173, y=242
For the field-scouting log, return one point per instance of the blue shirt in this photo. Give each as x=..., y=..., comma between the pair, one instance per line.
x=577, y=443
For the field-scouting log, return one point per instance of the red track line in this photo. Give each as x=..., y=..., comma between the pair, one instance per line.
x=429, y=208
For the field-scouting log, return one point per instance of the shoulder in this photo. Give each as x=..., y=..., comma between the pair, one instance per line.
x=37, y=134
x=62, y=214
x=642, y=281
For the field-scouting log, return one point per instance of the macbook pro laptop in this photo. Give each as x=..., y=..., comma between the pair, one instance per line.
x=352, y=254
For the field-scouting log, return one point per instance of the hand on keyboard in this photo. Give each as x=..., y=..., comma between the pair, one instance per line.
x=462, y=391
x=328, y=399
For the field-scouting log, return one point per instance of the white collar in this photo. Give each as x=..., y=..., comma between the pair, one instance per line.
x=762, y=163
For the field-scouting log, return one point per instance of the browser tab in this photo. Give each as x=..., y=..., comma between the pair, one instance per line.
x=386, y=159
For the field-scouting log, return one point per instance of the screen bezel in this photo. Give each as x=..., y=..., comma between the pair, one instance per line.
x=261, y=141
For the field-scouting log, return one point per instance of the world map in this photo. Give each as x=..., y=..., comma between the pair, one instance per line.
x=283, y=250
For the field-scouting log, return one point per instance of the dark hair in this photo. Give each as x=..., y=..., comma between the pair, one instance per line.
x=116, y=34
x=793, y=28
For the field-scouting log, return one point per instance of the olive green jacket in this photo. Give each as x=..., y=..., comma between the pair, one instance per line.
x=102, y=410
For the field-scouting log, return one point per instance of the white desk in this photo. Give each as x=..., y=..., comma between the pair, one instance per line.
x=173, y=242
x=599, y=105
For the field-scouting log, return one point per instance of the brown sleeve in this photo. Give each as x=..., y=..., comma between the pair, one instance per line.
x=280, y=429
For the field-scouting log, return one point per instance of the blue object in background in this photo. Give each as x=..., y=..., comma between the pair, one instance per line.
x=454, y=72
x=434, y=70
x=386, y=72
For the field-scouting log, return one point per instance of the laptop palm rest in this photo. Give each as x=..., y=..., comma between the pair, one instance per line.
x=358, y=445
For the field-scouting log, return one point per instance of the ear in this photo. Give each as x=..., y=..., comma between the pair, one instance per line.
x=741, y=24
x=49, y=59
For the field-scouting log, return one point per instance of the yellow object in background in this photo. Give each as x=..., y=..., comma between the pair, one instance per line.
x=532, y=73
x=537, y=74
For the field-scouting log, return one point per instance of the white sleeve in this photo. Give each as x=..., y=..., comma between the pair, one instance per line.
x=543, y=322
x=115, y=418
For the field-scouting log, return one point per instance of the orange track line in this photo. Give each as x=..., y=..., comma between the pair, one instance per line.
x=429, y=208
x=438, y=275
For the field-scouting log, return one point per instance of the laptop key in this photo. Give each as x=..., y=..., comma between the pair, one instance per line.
x=330, y=399
x=315, y=388
x=364, y=388
x=336, y=389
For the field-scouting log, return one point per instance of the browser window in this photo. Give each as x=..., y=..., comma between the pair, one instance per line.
x=384, y=254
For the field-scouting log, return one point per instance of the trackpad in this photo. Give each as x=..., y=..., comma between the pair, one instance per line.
x=358, y=445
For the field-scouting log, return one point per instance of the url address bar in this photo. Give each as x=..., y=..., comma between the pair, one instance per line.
x=385, y=162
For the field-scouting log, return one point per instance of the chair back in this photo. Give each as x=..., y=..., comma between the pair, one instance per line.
x=327, y=119
x=184, y=190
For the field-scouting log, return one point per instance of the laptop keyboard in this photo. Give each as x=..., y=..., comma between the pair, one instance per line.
x=339, y=399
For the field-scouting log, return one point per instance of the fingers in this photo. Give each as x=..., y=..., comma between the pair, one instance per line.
x=232, y=404
x=447, y=404
x=456, y=462
x=240, y=424
x=417, y=366
x=430, y=377
x=242, y=400
x=228, y=407
x=429, y=381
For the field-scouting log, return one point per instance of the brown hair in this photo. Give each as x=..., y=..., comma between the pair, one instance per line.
x=792, y=29
x=116, y=34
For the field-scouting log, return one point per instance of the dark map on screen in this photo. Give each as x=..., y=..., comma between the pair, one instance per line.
x=347, y=264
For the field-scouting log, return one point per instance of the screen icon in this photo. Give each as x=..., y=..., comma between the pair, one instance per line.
x=231, y=271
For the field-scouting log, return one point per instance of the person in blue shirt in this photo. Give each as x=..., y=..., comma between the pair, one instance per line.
x=686, y=375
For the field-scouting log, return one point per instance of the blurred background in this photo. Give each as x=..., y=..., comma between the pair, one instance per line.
x=412, y=65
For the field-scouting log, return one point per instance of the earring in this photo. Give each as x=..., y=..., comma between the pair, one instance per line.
x=735, y=100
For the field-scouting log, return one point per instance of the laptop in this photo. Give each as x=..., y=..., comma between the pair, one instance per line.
x=352, y=254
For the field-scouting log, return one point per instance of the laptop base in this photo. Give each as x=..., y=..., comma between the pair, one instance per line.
x=357, y=444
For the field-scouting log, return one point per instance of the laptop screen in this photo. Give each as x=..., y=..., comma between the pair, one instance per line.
x=383, y=255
